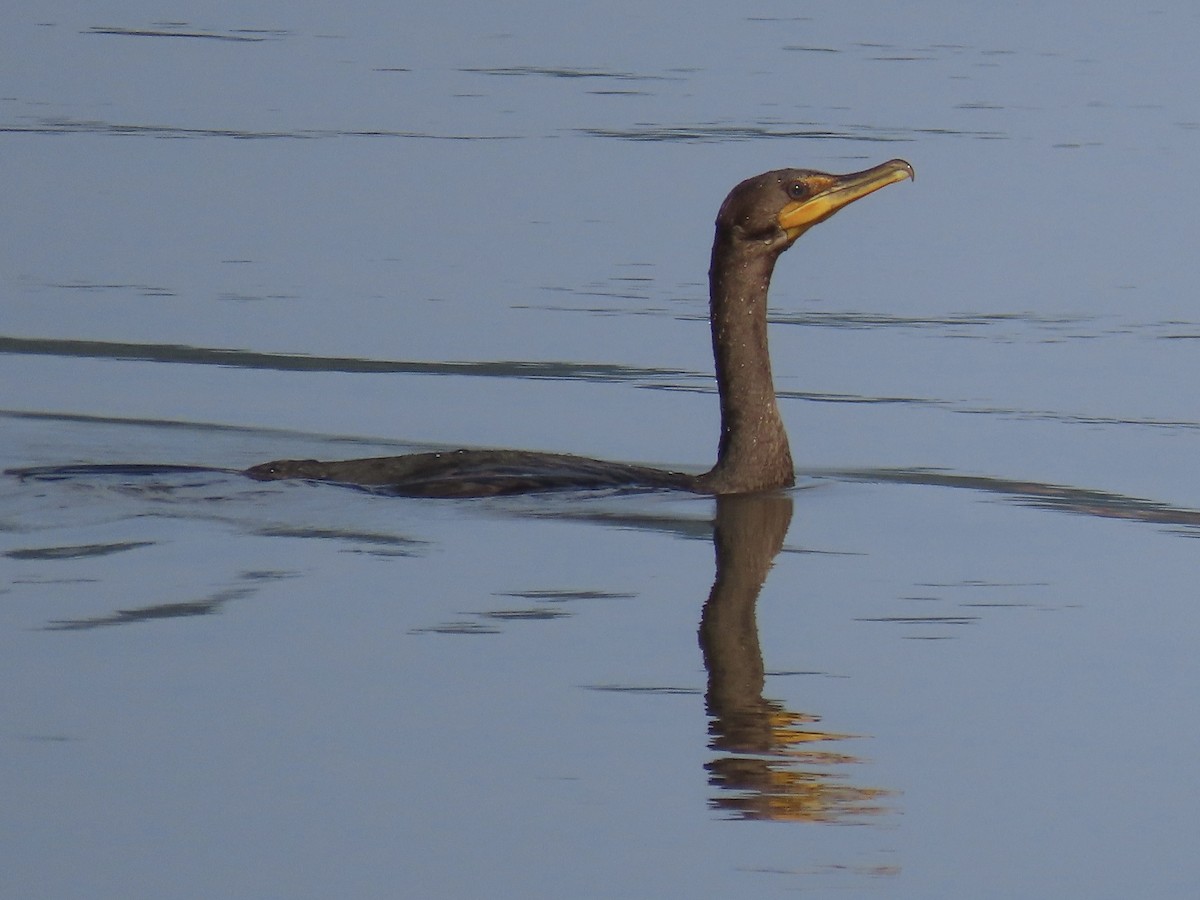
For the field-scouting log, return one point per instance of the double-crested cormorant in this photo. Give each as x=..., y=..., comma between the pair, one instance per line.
x=760, y=218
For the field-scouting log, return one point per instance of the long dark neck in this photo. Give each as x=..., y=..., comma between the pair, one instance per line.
x=753, y=453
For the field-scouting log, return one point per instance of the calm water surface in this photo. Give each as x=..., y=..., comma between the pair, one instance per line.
x=957, y=661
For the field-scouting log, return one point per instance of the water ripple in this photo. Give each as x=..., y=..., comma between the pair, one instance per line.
x=555, y=72
x=713, y=132
x=96, y=126
x=75, y=551
x=1059, y=497
x=290, y=362
x=176, y=30
x=206, y=606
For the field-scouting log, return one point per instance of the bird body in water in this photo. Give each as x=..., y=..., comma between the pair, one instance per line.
x=760, y=219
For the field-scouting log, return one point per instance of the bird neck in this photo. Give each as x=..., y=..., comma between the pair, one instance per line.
x=753, y=454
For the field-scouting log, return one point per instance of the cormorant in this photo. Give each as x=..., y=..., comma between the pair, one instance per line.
x=762, y=217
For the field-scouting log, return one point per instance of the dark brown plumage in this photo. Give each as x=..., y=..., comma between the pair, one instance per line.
x=762, y=217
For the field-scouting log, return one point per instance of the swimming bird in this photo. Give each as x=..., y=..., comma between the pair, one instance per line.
x=760, y=219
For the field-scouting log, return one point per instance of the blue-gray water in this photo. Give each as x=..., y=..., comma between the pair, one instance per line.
x=230, y=235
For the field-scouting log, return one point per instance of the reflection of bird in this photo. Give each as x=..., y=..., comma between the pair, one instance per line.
x=760, y=218
x=769, y=761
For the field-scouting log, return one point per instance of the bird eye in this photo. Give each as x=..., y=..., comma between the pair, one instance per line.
x=797, y=190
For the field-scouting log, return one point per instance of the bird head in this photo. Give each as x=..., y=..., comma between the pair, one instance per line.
x=775, y=208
